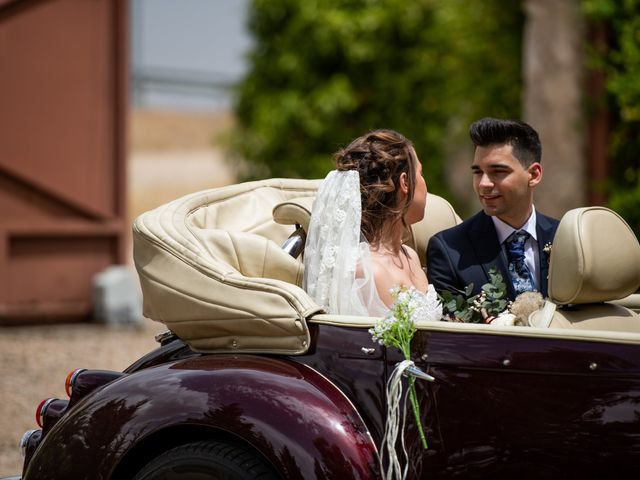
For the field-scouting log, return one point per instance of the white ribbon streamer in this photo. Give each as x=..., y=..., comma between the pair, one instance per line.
x=393, y=427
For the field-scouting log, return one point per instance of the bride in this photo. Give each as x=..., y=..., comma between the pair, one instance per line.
x=354, y=252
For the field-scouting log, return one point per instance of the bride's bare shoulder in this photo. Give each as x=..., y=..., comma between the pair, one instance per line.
x=412, y=254
x=384, y=278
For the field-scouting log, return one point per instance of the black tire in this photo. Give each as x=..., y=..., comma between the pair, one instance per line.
x=207, y=460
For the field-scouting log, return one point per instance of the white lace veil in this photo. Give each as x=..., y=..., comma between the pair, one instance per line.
x=338, y=273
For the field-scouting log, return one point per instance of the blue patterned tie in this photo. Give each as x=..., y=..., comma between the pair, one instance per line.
x=520, y=274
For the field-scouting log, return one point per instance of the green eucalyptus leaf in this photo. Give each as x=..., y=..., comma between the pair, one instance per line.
x=468, y=290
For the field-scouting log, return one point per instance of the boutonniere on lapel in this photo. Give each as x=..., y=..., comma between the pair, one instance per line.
x=547, y=250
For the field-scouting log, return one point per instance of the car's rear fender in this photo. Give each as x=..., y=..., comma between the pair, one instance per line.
x=293, y=416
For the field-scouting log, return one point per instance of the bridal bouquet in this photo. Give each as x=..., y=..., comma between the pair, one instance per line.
x=490, y=302
x=490, y=305
x=397, y=328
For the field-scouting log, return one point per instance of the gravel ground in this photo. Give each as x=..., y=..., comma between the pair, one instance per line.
x=35, y=361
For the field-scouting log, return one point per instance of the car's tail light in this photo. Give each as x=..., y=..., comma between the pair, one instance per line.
x=49, y=412
x=78, y=384
x=71, y=379
x=29, y=441
x=40, y=411
x=81, y=382
x=28, y=444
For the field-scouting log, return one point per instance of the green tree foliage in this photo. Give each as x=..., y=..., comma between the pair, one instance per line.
x=323, y=72
x=621, y=63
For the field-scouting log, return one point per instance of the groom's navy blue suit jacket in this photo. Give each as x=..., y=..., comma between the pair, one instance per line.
x=464, y=254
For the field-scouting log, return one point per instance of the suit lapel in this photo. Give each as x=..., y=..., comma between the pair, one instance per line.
x=545, y=230
x=484, y=240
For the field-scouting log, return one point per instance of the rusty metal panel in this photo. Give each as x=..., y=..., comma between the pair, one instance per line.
x=62, y=153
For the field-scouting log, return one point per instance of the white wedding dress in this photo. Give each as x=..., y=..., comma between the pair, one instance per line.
x=338, y=267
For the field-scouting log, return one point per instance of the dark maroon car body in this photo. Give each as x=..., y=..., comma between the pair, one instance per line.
x=501, y=406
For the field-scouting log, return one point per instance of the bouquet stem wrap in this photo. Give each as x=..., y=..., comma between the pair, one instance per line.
x=416, y=411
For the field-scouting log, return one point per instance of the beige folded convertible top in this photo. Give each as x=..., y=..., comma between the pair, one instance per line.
x=212, y=270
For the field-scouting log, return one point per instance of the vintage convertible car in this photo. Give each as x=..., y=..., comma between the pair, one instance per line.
x=254, y=380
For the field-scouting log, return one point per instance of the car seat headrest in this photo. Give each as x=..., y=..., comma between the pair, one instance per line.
x=296, y=211
x=595, y=257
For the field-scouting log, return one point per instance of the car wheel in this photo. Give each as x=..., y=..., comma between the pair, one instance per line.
x=207, y=460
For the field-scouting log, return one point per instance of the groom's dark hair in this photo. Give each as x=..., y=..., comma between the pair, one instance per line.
x=520, y=135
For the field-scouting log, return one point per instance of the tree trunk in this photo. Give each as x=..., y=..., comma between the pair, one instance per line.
x=553, y=82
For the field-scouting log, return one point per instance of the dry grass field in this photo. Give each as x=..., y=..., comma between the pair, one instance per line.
x=172, y=154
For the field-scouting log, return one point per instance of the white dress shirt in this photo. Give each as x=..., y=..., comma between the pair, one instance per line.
x=531, y=252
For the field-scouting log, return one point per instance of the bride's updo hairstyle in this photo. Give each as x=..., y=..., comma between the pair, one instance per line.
x=380, y=157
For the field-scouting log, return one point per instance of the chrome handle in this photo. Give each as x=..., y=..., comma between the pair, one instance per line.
x=416, y=372
x=295, y=243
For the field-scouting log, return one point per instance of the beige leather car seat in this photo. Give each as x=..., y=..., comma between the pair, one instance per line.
x=595, y=258
x=439, y=215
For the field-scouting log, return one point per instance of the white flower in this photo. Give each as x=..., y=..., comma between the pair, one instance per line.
x=504, y=319
x=427, y=306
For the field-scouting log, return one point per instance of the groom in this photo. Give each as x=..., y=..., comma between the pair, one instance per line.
x=508, y=234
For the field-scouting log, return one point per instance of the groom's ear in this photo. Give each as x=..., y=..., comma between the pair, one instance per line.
x=535, y=174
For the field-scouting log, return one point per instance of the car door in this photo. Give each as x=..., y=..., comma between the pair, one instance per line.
x=507, y=403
